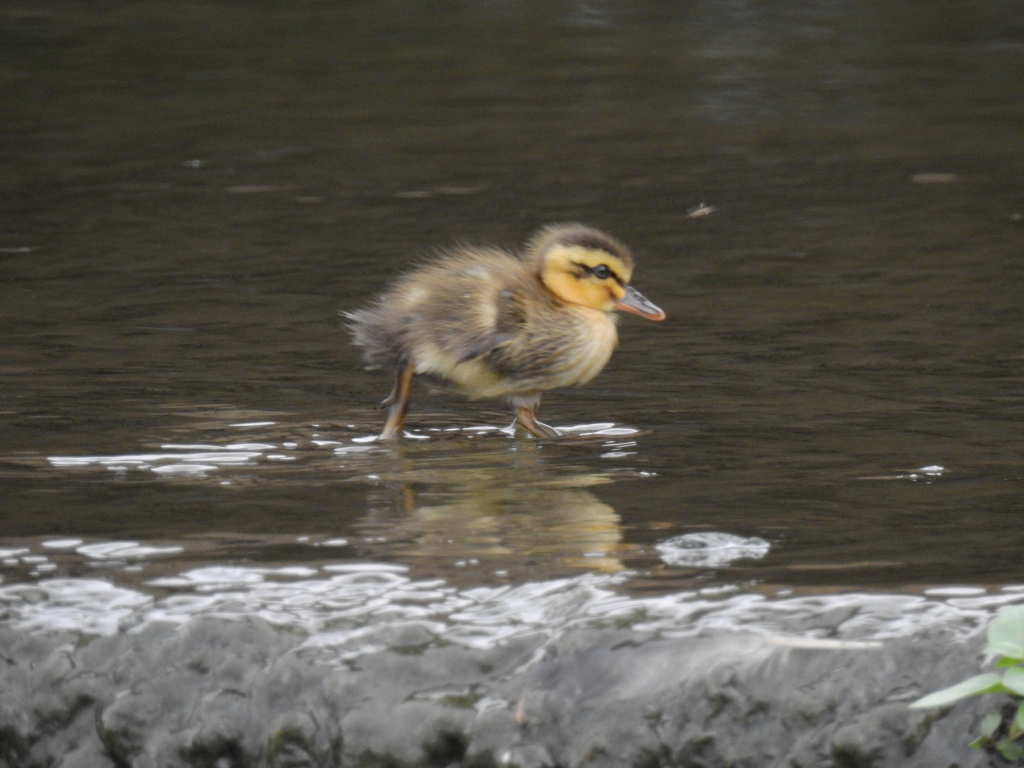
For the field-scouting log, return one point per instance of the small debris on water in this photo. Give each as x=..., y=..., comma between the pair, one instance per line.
x=933, y=178
x=700, y=210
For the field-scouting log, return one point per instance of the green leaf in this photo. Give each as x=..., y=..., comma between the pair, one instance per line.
x=990, y=723
x=1013, y=678
x=1011, y=750
x=982, y=742
x=989, y=682
x=1008, y=661
x=1006, y=633
x=1019, y=719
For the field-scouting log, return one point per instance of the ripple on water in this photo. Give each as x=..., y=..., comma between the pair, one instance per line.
x=174, y=460
x=199, y=460
x=119, y=550
x=349, y=609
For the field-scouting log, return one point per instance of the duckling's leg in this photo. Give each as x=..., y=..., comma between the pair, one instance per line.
x=397, y=402
x=524, y=410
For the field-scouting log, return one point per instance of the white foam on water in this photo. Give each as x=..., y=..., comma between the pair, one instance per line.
x=352, y=608
x=711, y=549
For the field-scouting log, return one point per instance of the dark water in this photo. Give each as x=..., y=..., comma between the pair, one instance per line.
x=192, y=191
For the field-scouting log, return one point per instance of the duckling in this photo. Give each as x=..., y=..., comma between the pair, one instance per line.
x=496, y=324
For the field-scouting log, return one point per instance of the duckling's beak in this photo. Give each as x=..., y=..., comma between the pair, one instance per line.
x=638, y=304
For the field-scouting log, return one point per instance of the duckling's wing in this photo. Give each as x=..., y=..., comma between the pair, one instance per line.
x=509, y=316
x=485, y=345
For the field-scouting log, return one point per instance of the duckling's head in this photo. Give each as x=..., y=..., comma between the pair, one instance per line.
x=584, y=266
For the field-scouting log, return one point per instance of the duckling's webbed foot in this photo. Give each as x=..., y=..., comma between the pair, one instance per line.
x=528, y=419
x=397, y=402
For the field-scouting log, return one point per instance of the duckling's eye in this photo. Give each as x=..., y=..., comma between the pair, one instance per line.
x=601, y=272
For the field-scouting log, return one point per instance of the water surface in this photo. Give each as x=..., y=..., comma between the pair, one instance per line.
x=192, y=191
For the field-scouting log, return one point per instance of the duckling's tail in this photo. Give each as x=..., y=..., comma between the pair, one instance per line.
x=371, y=330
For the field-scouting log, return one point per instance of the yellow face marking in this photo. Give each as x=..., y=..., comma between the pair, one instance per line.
x=590, y=278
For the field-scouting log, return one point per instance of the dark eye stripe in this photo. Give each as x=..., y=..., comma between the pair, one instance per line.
x=601, y=272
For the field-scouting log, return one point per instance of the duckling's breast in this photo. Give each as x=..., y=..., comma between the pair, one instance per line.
x=593, y=340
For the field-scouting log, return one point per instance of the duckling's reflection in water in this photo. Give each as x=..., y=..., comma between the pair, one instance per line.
x=513, y=516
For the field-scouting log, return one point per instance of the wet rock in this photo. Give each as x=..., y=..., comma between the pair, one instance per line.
x=225, y=693
x=739, y=701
